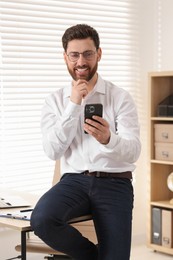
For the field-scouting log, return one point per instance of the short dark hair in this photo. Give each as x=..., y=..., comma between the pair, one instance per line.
x=80, y=31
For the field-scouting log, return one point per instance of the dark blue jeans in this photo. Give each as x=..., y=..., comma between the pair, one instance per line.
x=109, y=200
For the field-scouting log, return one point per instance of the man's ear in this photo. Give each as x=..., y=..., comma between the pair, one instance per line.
x=65, y=57
x=99, y=54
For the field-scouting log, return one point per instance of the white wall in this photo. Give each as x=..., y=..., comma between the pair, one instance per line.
x=166, y=35
x=142, y=170
x=154, y=56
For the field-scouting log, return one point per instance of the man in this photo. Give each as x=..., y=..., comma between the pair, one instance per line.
x=96, y=166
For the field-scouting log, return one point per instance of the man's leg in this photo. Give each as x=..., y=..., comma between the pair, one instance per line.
x=65, y=200
x=112, y=203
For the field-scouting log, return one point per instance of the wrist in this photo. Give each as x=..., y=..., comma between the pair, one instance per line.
x=76, y=101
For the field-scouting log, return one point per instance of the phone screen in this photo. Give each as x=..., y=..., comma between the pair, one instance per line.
x=93, y=109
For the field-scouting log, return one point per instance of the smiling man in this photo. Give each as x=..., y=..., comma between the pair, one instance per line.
x=96, y=167
x=82, y=57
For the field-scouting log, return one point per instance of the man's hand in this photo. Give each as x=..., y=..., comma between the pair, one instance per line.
x=100, y=129
x=79, y=91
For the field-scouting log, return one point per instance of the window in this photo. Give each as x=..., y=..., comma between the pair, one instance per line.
x=32, y=66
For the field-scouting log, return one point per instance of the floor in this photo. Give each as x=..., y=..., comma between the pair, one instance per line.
x=9, y=238
x=140, y=252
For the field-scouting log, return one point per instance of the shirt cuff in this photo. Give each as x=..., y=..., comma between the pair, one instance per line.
x=112, y=142
x=72, y=110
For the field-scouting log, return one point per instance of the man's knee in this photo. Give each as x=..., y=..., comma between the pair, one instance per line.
x=42, y=223
x=39, y=222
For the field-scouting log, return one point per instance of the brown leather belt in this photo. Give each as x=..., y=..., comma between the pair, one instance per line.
x=127, y=175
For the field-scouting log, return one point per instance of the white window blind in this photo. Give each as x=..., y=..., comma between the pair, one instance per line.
x=32, y=66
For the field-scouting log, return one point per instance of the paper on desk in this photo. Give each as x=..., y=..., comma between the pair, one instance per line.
x=17, y=215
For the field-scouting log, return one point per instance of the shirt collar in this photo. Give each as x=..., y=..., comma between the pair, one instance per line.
x=99, y=87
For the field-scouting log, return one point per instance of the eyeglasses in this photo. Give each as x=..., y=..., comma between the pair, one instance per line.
x=87, y=55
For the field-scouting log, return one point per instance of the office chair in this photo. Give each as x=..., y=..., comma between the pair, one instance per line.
x=84, y=224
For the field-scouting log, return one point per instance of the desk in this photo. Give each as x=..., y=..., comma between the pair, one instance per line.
x=23, y=226
x=81, y=223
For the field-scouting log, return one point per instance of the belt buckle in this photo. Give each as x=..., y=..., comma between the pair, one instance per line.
x=98, y=174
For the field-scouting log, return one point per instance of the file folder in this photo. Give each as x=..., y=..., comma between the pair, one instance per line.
x=167, y=228
x=156, y=226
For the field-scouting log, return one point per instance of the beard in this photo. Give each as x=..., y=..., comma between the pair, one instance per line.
x=87, y=76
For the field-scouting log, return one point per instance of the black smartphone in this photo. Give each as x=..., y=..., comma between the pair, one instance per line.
x=93, y=110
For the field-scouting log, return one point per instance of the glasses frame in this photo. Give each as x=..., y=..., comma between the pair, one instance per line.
x=83, y=54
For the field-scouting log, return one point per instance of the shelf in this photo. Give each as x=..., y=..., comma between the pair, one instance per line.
x=160, y=87
x=161, y=249
x=161, y=162
x=162, y=118
x=162, y=204
x=161, y=74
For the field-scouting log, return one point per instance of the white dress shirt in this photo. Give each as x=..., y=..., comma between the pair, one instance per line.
x=63, y=135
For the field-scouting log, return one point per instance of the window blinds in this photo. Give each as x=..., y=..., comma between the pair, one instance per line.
x=32, y=66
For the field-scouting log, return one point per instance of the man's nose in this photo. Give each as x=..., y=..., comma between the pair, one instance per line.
x=81, y=59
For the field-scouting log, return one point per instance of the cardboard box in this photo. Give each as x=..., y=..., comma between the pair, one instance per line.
x=167, y=228
x=163, y=133
x=164, y=151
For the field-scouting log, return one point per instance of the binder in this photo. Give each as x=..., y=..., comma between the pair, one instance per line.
x=167, y=228
x=156, y=226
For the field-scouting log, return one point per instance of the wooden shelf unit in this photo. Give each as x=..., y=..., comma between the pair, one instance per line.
x=160, y=87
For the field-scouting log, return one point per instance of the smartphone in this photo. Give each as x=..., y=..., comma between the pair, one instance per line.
x=93, y=110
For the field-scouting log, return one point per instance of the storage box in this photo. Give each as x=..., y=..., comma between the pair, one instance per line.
x=165, y=108
x=163, y=133
x=164, y=151
x=167, y=228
